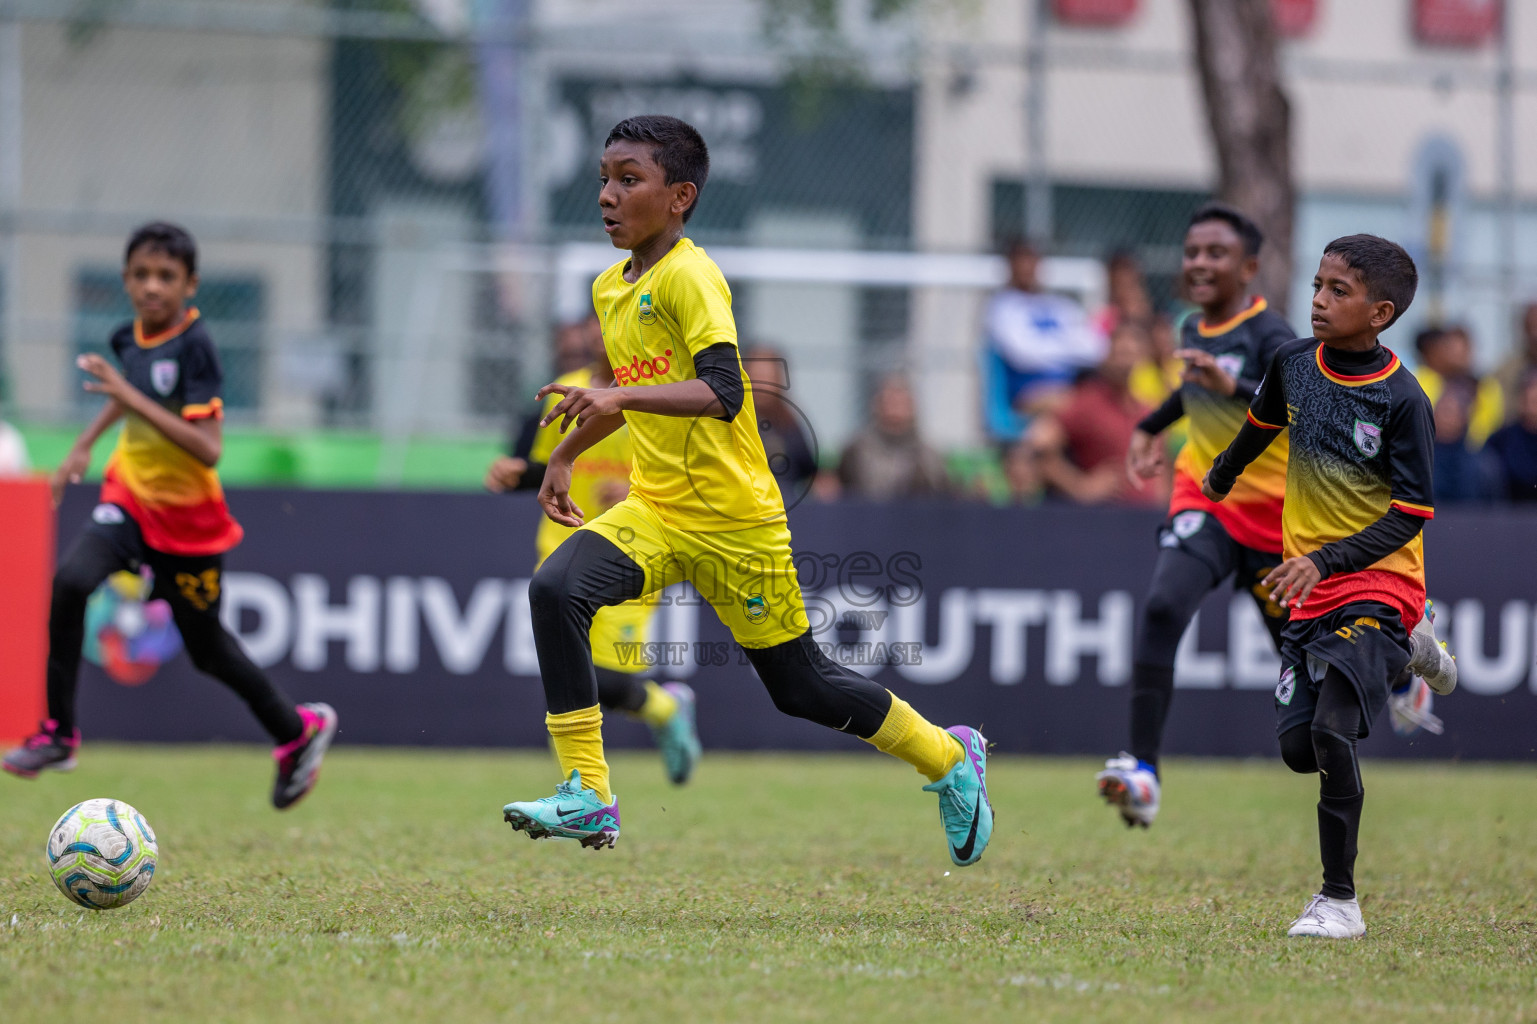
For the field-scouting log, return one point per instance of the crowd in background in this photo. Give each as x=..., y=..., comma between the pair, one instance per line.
x=1064, y=387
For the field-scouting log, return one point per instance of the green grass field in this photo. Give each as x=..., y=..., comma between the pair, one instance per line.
x=785, y=887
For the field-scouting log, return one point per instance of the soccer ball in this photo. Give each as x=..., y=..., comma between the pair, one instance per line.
x=102, y=854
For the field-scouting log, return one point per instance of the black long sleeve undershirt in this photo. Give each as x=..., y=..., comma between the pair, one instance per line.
x=1249, y=443
x=1165, y=416
x=720, y=368
x=1370, y=546
x=523, y=444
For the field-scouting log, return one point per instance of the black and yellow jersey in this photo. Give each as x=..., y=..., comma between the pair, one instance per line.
x=1358, y=477
x=1243, y=347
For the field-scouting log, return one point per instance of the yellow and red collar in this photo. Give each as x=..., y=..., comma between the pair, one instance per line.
x=1258, y=306
x=1354, y=381
x=166, y=335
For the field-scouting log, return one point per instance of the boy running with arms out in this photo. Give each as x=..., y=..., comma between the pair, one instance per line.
x=703, y=506
x=600, y=479
x=1226, y=350
x=162, y=506
x=1358, y=492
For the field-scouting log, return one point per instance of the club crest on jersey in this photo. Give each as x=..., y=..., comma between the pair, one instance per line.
x=1187, y=524
x=647, y=313
x=755, y=607
x=1368, y=438
x=1230, y=364
x=1287, y=686
x=163, y=374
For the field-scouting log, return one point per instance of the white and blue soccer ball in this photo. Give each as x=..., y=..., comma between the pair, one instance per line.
x=102, y=854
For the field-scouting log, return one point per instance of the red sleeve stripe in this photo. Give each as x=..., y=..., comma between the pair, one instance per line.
x=1423, y=511
x=1261, y=423
x=213, y=409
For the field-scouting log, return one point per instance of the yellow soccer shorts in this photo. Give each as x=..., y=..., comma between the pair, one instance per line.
x=747, y=576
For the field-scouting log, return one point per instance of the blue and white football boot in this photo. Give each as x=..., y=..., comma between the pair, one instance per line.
x=1131, y=786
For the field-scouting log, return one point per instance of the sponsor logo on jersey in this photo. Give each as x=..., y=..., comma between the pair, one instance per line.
x=639, y=369
x=163, y=374
x=1368, y=438
x=647, y=313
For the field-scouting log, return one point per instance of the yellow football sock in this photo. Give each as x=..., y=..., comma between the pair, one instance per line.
x=913, y=738
x=659, y=708
x=578, y=740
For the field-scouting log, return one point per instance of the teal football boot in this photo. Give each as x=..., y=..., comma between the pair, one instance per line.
x=964, y=809
x=572, y=813
x=678, y=738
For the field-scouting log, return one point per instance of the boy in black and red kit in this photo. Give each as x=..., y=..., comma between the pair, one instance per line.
x=1358, y=493
x=162, y=506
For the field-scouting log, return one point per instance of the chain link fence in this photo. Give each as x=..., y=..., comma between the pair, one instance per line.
x=395, y=198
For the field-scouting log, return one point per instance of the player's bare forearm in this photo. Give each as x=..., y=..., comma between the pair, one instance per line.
x=109, y=414
x=583, y=436
x=681, y=398
x=202, y=439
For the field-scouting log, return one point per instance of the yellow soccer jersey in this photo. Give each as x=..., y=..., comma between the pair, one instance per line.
x=699, y=473
x=598, y=478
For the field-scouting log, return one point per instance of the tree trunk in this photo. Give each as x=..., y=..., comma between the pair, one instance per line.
x=1250, y=119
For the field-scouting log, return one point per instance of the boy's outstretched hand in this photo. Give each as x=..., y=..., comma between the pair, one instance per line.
x=70, y=471
x=578, y=405
x=108, y=380
x=1293, y=580
x=1144, y=457
x=1201, y=369
x=555, y=494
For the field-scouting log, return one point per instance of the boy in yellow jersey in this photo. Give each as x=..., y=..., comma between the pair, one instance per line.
x=600, y=479
x=703, y=506
x=162, y=506
x=1358, y=493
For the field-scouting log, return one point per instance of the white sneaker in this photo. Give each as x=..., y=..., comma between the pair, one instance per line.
x=1131, y=788
x=1409, y=711
x=1326, y=918
x=1428, y=657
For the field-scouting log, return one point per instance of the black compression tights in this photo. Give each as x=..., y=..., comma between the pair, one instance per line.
x=588, y=572
x=210, y=646
x=1328, y=746
x=1180, y=582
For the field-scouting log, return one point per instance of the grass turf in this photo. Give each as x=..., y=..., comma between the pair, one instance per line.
x=780, y=887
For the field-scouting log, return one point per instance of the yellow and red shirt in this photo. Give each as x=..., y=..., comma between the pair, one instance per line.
x=698, y=472
x=177, y=501
x=1243, y=348
x=1362, y=446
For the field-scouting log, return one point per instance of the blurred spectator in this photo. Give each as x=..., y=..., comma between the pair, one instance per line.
x=1158, y=374
x=1022, y=477
x=1084, y=443
x=1446, y=366
x=13, y=452
x=1037, y=342
x=888, y=459
x=1512, y=372
x=577, y=344
x=785, y=433
x=1129, y=300
x=1514, y=448
x=1462, y=474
